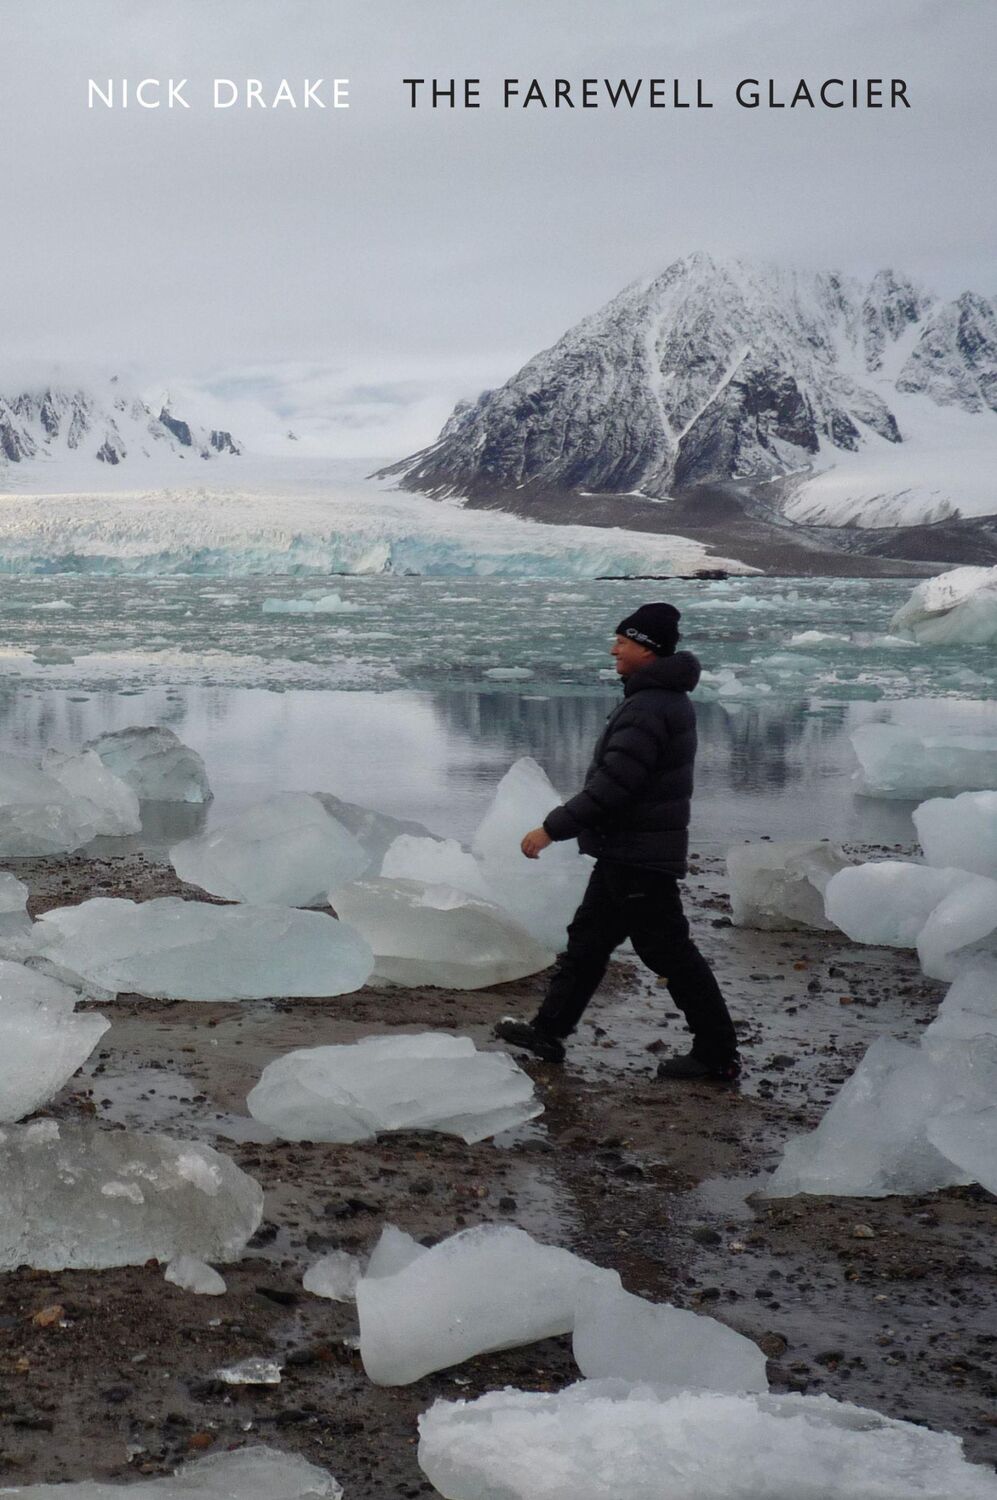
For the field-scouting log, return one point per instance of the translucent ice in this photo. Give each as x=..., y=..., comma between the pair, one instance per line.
x=334, y=1276
x=393, y=1252
x=252, y=1371
x=889, y=901
x=104, y=798
x=969, y=1008
x=960, y=831
x=324, y=604
x=42, y=1040
x=38, y=816
x=15, y=924
x=781, y=885
x=603, y=1439
x=374, y=831
x=617, y=1334
x=254, y=1473
x=899, y=762
x=191, y=950
x=156, y=764
x=434, y=862
x=958, y=608
x=193, y=1275
x=487, y=1288
x=433, y=934
x=286, y=851
x=961, y=928
x=540, y=894
x=76, y=1197
x=431, y=1081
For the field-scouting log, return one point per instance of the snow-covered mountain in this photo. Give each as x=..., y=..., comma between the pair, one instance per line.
x=96, y=423
x=877, y=402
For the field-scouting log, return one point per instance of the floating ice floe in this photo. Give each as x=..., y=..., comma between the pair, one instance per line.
x=899, y=762
x=324, y=604
x=487, y=1288
x=334, y=1276
x=960, y=831
x=42, y=1039
x=603, y=1439
x=75, y=1197
x=431, y=1081
x=434, y=934
x=286, y=851
x=171, y=949
x=542, y=894
x=193, y=1275
x=780, y=886
x=105, y=800
x=38, y=815
x=434, y=862
x=155, y=763
x=255, y=1473
x=958, y=608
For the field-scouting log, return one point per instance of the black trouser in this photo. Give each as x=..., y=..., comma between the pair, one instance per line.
x=625, y=901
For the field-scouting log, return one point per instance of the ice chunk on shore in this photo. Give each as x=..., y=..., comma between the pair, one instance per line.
x=968, y=1010
x=38, y=816
x=155, y=763
x=899, y=762
x=251, y=1371
x=433, y=934
x=541, y=894
x=434, y=862
x=393, y=1252
x=104, y=799
x=617, y=1334
x=373, y=831
x=777, y=886
x=962, y=926
x=334, y=1276
x=286, y=851
x=888, y=902
x=15, y=924
x=957, y=608
x=42, y=1040
x=487, y=1288
x=75, y=1197
x=432, y=1081
x=256, y=1473
x=193, y=1275
x=171, y=949
x=603, y=1439
x=960, y=831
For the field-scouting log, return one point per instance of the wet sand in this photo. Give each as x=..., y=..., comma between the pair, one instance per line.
x=659, y=1181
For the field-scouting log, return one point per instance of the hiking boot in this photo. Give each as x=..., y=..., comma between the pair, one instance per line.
x=522, y=1034
x=691, y=1067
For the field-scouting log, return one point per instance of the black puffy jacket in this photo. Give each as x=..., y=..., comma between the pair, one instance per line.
x=634, y=807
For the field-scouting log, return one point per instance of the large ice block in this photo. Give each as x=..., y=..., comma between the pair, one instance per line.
x=776, y=886
x=75, y=1197
x=960, y=831
x=254, y=1473
x=899, y=762
x=617, y=1334
x=171, y=949
x=969, y=1008
x=961, y=929
x=433, y=934
x=15, y=924
x=155, y=762
x=286, y=851
x=429, y=1081
x=609, y=1439
x=888, y=902
x=42, y=1039
x=104, y=798
x=374, y=831
x=434, y=862
x=38, y=816
x=487, y=1288
x=957, y=608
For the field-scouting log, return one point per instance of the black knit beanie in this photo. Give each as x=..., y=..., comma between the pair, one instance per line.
x=655, y=626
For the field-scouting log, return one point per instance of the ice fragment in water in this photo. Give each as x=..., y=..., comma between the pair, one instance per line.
x=38, y=816
x=324, y=604
x=433, y=862
x=778, y=886
x=957, y=608
x=75, y=1197
x=334, y=1276
x=617, y=1334
x=603, y=1439
x=898, y=762
x=888, y=902
x=42, y=1040
x=102, y=797
x=194, y=1275
x=433, y=934
x=286, y=851
x=431, y=1081
x=960, y=831
x=156, y=764
x=252, y=1371
x=191, y=950
x=255, y=1473
x=487, y=1288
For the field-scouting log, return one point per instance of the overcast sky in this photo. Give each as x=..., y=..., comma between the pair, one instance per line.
x=353, y=272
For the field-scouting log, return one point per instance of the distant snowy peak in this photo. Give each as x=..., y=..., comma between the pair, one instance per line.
x=103, y=423
x=718, y=370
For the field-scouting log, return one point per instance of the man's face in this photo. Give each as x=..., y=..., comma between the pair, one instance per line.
x=629, y=655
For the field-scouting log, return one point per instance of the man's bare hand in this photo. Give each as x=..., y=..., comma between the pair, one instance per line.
x=536, y=840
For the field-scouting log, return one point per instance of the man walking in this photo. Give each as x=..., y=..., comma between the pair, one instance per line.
x=633, y=815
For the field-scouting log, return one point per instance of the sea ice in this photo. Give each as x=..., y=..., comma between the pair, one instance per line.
x=430, y=1081
x=487, y=1288
x=434, y=862
x=781, y=885
x=542, y=894
x=603, y=1439
x=433, y=934
x=899, y=762
x=286, y=851
x=105, y=799
x=334, y=1276
x=156, y=764
x=42, y=1040
x=888, y=902
x=617, y=1334
x=75, y=1197
x=958, y=608
x=254, y=1473
x=960, y=831
x=38, y=816
x=171, y=949
x=193, y=1275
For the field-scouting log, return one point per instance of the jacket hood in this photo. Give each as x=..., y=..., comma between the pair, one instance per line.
x=679, y=673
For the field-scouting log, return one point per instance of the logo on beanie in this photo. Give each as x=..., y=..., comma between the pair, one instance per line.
x=642, y=639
